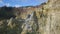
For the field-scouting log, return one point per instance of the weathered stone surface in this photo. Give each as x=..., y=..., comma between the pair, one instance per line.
x=42, y=19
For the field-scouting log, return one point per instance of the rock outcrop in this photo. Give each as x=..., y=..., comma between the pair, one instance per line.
x=41, y=19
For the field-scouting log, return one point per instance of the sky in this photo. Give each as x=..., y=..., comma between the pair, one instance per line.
x=19, y=3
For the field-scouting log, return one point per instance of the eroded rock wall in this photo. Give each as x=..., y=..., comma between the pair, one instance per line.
x=43, y=19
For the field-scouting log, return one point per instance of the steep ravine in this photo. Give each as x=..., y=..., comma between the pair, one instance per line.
x=41, y=19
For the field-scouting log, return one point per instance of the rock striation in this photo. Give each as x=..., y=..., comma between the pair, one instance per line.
x=40, y=19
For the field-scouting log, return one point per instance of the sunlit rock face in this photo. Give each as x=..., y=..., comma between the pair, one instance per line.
x=41, y=19
x=53, y=17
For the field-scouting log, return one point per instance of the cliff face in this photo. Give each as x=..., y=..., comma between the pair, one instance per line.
x=41, y=19
x=52, y=25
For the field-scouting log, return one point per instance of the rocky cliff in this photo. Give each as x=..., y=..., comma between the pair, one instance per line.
x=41, y=19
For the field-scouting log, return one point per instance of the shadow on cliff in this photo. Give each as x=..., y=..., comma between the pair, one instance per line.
x=6, y=12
